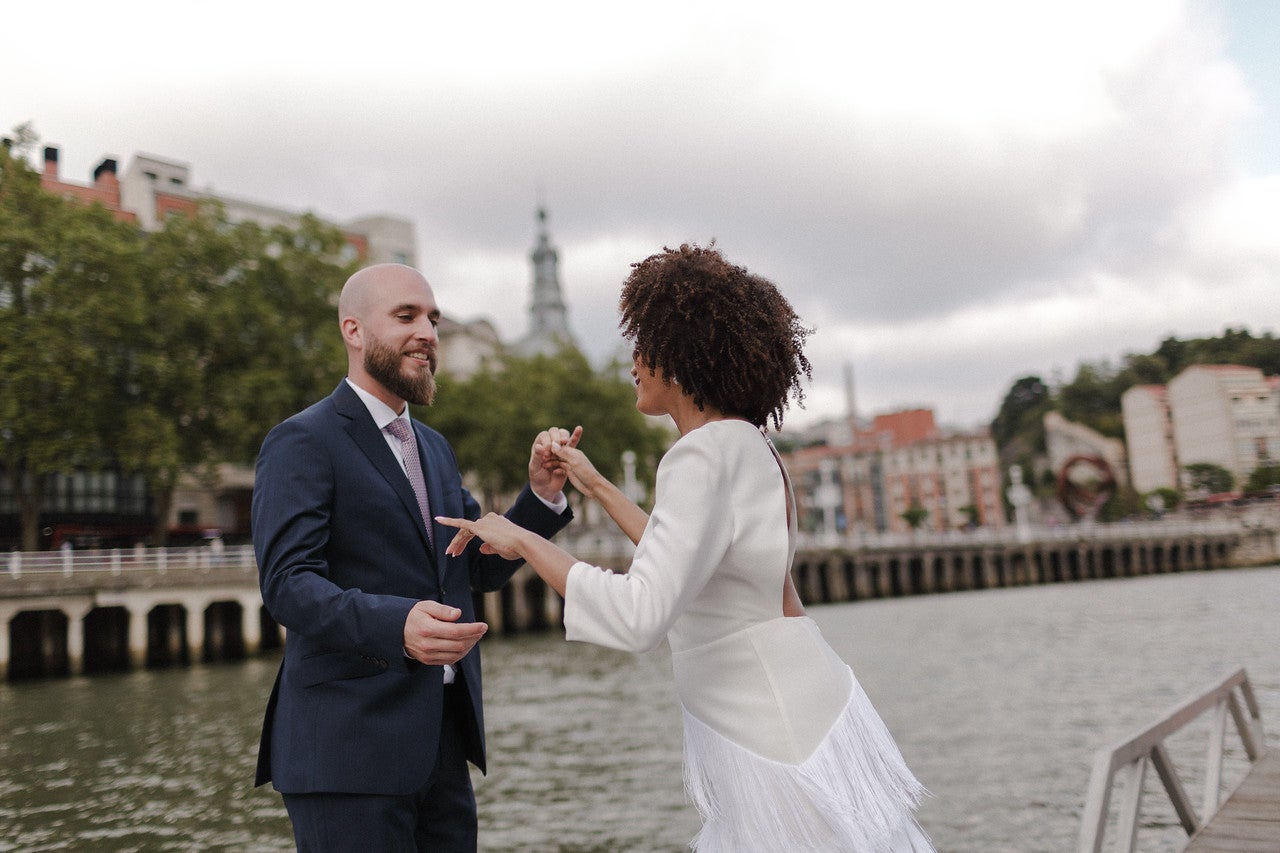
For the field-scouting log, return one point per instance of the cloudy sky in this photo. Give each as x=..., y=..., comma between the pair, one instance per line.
x=954, y=195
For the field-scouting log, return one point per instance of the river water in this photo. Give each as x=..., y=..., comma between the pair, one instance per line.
x=998, y=699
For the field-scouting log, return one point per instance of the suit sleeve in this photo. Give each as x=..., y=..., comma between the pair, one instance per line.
x=293, y=501
x=489, y=571
x=685, y=540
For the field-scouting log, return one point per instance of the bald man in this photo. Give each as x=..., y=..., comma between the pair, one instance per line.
x=376, y=709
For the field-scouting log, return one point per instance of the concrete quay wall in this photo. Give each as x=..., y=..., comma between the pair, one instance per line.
x=83, y=613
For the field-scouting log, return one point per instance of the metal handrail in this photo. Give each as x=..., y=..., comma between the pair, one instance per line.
x=17, y=564
x=1128, y=759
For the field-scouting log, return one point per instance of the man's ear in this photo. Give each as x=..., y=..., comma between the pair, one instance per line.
x=352, y=333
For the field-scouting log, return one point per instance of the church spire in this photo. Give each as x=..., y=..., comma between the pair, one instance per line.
x=548, y=315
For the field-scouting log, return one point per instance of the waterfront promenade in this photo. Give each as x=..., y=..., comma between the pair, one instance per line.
x=91, y=611
x=1250, y=818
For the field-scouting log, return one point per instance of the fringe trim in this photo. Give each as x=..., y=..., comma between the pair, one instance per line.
x=855, y=793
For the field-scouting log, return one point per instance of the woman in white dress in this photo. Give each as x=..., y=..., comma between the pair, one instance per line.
x=782, y=749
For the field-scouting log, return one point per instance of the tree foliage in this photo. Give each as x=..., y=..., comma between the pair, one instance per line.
x=492, y=417
x=155, y=354
x=1092, y=396
x=66, y=304
x=1264, y=477
x=914, y=515
x=1209, y=478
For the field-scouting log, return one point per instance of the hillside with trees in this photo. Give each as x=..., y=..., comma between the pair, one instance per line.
x=1092, y=398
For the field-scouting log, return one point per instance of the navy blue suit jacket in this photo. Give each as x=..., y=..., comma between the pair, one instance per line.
x=343, y=556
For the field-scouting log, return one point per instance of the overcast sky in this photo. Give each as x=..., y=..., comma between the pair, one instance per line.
x=955, y=195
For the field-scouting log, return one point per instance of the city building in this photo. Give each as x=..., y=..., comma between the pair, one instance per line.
x=1218, y=414
x=154, y=188
x=899, y=464
x=1148, y=430
x=1225, y=415
x=467, y=347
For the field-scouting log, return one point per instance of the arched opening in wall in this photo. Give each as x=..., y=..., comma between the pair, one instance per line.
x=1015, y=566
x=824, y=581
x=959, y=571
x=535, y=591
x=799, y=577
x=915, y=575
x=1124, y=560
x=1074, y=569
x=507, y=599
x=1000, y=570
x=850, y=578
x=1107, y=558
x=223, y=632
x=894, y=566
x=106, y=640
x=38, y=645
x=167, y=636
x=1157, y=559
x=272, y=636
x=977, y=575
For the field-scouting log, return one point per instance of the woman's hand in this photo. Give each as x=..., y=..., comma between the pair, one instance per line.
x=577, y=467
x=498, y=535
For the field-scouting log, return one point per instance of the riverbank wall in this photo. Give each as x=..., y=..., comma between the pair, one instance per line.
x=73, y=613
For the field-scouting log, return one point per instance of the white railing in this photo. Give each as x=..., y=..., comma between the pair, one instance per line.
x=124, y=560
x=1127, y=760
x=1038, y=533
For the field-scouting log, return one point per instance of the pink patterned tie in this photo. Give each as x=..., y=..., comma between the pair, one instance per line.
x=413, y=467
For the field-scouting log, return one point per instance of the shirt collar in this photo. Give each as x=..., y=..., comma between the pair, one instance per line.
x=382, y=413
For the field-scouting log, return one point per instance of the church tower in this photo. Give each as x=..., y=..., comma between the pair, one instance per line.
x=548, y=316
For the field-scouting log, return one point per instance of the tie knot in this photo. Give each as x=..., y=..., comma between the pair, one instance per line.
x=400, y=429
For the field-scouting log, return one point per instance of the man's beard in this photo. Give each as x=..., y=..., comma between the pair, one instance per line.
x=383, y=363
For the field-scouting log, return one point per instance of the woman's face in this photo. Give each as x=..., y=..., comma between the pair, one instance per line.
x=654, y=394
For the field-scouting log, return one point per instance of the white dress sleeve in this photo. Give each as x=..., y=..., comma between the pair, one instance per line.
x=686, y=538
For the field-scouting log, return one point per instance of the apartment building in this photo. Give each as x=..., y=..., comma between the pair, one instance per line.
x=901, y=460
x=1220, y=414
x=154, y=188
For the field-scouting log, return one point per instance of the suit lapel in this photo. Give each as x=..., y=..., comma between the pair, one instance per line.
x=366, y=435
x=433, y=474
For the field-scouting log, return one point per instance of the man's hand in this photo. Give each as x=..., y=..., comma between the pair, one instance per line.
x=433, y=634
x=546, y=472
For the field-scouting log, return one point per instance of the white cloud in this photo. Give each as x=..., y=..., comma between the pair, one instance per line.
x=954, y=194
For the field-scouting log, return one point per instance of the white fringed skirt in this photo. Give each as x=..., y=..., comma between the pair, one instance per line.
x=784, y=751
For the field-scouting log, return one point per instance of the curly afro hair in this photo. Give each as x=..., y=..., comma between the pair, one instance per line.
x=727, y=336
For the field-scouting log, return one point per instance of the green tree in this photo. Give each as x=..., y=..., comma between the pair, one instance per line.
x=1018, y=431
x=492, y=417
x=277, y=348
x=68, y=276
x=160, y=354
x=1093, y=398
x=1263, y=478
x=914, y=515
x=1162, y=499
x=1022, y=414
x=1207, y=477
x=241, y=333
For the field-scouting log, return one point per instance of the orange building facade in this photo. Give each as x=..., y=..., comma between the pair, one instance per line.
x=902, y=461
